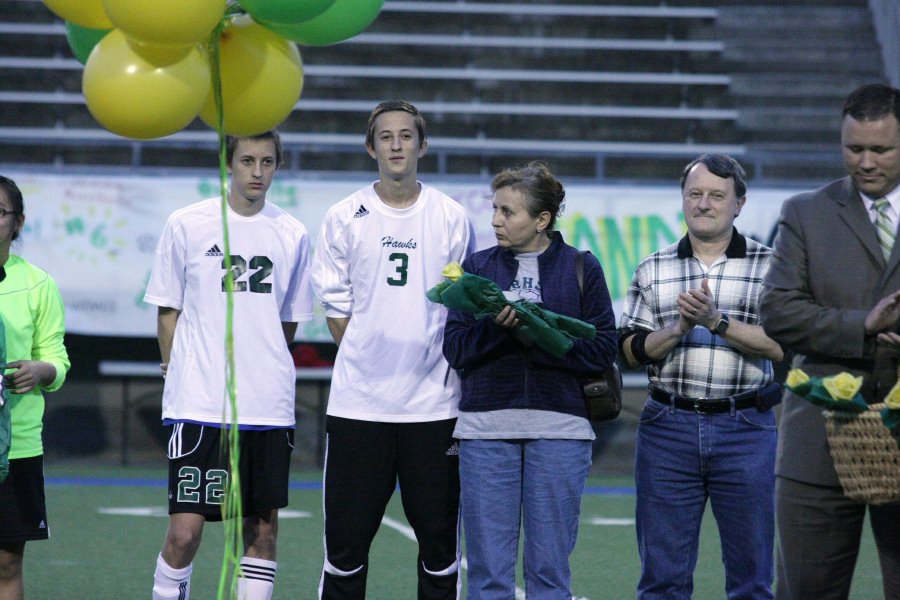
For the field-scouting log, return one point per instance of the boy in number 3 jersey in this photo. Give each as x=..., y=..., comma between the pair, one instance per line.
x=393, y=400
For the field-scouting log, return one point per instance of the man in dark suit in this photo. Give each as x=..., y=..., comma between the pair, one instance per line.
x=831, y=296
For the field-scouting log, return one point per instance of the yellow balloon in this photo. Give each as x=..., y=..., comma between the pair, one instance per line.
x=87, y=13
x=166, y=22
x=262, y=77
x=144, y=92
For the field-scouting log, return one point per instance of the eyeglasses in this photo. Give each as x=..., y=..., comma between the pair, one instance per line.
x=4, y=212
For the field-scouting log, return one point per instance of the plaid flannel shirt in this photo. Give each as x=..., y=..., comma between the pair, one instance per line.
x=702, y=364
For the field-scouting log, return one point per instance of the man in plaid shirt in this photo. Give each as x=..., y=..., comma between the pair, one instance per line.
x=706, y=430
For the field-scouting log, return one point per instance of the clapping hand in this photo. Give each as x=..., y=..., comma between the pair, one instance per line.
x=882, y=317
x=698, y=307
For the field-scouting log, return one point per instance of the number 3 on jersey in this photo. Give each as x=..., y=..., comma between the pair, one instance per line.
x=261, y=264
x=402, y=268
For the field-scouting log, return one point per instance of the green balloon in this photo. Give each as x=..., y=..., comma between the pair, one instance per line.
x=343, y=20
x=285, y=12
x=83, y=39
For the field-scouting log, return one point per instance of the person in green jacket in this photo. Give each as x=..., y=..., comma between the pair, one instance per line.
x=32, y=312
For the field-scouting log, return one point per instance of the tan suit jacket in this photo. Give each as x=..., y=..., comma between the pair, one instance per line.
x=826, y=273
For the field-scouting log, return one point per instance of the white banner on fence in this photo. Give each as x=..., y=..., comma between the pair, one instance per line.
x=97, y=235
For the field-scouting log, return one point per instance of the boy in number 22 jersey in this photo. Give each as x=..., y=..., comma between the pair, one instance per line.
x=270, y=252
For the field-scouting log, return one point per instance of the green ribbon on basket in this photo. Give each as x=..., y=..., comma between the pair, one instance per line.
x=841, y=392
x=552, y=332
x=837, y=392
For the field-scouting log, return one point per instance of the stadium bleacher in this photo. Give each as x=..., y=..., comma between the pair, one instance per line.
x=590, y=86
x=605, y=91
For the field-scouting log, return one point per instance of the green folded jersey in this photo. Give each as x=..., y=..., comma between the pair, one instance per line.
x=545, y=329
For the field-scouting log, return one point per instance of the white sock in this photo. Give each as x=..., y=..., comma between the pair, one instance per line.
x=169, y=583
x=257, y=579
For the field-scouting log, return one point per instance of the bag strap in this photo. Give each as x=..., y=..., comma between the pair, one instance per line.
x=579, y=274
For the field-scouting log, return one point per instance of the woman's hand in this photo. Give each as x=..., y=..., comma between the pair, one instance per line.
x=507, y=318
x=28, y=375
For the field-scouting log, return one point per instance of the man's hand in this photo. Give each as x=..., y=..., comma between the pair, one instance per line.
x=698, y=307
x=890, y=341
x=884, y=316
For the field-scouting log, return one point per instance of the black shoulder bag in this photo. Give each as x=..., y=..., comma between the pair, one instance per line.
x=603, y=393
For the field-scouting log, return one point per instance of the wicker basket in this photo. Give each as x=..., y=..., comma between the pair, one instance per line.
x=866, y=454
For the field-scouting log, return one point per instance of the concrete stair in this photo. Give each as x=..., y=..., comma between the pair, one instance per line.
x=793, y=65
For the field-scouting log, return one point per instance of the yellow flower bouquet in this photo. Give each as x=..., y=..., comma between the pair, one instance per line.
x=841, y=392
x=837, y=392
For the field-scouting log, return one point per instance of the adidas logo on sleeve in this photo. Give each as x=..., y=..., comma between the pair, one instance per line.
x=361, y=212
x=214, y=251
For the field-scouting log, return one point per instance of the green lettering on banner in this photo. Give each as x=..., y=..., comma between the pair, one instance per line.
x=139, y=298
x=74, y=226
x=280, y=194
x=621, y=244
x=98, y=236
x=283, y=195
x=316, y=329
x=32, y=228
x=205, y=189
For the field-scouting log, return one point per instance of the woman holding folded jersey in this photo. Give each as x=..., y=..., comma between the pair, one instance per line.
x=525, y=441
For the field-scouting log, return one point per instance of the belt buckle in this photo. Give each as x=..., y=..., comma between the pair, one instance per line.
x=698, y=406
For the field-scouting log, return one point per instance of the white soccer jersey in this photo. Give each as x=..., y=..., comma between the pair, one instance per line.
x=375, y=263
x=270, y=254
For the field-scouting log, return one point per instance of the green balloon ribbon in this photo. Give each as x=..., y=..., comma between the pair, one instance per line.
x=231, y=508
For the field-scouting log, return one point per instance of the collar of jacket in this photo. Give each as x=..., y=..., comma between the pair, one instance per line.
x=737, y=247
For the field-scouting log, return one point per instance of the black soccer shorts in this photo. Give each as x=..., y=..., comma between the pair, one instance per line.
x=199, y=474
x=23, y=507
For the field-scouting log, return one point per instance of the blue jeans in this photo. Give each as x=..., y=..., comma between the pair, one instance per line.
x=681, y=459
x=535, y=483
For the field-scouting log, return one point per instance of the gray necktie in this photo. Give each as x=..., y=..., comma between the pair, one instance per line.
x=883, y=227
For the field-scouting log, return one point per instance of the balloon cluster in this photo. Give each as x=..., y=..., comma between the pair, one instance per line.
x=150, y=67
